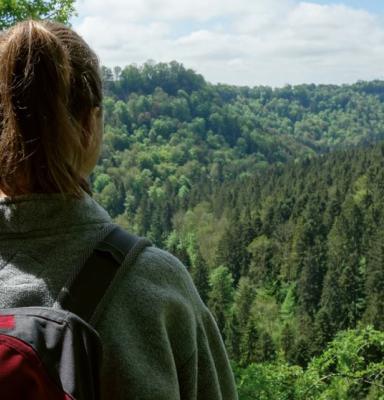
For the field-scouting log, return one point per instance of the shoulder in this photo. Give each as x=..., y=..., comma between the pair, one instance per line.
x=163, y=271
x=154, y=260
x=153, y=302
x=156, y=280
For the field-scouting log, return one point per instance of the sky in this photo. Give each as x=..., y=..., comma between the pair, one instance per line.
x=242, y=42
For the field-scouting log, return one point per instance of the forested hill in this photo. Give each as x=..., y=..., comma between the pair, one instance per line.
x=289, y=259
x=308, y=236
x=167, y=130
x=166, y=102
x=274, y=201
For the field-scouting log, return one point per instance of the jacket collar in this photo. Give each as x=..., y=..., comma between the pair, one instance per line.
x=40, y=212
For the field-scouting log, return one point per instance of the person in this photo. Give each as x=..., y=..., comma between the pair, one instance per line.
x=160, y=341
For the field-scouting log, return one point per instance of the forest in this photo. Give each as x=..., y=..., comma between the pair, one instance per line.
x=273, y=199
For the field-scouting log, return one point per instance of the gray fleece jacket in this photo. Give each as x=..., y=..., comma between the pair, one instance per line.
x=160, y=341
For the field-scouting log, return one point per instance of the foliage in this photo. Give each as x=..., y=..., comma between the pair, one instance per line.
x=167, y=128
x=266, y=381
x=272, y=198
x=12, y=11
x=351, y=368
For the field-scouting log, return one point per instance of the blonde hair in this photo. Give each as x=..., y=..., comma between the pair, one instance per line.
x=49, y=84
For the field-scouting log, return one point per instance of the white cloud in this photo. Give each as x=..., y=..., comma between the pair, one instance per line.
x=170, y=10
x=239, y=41
x=120, y=44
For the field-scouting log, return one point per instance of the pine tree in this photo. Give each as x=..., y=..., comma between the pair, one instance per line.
x=244, y=297
x=263, y=269
x=229, y=251
x=323, y=332
x=265, y=348
x=309, y=285
x=233, y=337
x=220, y=298
x=351, y=279
x=301, y=352
x=374, y=286
x=287, y=340
x=200, y=275
x=311, y=257
x=331, y=302
x=343, y=295
x=240, y=315
x=248, y=344
x=232, y=249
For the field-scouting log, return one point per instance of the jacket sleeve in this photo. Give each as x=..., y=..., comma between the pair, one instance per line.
x=207, y=375
x=160, y=340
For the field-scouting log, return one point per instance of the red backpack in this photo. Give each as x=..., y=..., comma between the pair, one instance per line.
x=56, y=354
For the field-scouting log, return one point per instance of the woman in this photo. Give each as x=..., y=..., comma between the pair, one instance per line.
x=160, y=341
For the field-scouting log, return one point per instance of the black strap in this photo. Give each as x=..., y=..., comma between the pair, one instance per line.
x=85, y=290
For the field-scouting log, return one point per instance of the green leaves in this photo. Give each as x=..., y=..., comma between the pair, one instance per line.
x=352, y=367
x=12, y=11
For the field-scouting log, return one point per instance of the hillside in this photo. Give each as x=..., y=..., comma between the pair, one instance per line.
x=167, y=129
x=273, y=199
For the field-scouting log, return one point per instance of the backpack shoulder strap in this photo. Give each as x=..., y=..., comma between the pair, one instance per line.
x=85, y=290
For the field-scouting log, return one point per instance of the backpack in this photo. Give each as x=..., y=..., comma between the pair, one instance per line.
x=55, y=353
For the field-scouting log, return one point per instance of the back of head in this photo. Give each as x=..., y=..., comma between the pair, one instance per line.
x=49, y=84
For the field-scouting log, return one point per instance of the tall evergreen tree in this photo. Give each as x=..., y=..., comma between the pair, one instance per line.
x=249, y=342
x=374, y=286
x=200, y=275
x=287, y=341
x=265, y=348
x=220, y=298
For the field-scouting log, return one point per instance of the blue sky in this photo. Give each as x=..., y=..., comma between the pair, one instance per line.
x=374, y=6
x=242, y=42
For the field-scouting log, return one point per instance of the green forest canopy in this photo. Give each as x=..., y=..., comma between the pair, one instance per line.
x=273, y=199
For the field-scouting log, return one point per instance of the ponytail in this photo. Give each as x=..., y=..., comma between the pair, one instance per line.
x=49, y=83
